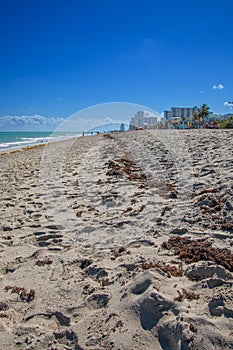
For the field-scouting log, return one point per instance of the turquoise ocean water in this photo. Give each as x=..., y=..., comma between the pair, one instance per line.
x=14, y=140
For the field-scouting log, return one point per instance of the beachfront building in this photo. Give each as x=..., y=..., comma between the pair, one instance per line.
x=180, y=112
x=144, y=119
x=180, y=116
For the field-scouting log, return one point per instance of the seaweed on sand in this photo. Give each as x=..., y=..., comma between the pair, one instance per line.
x=23, y=295
x=170, y=269
x=190, y=251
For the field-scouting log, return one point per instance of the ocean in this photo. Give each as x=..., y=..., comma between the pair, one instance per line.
x=14, y=140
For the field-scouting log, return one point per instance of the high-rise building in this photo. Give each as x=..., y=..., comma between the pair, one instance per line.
x=144, y=119
x=180, y=112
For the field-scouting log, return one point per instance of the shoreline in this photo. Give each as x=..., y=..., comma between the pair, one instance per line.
x=21, y=140
x=42, y=144
x=96, y=242
x=34, y=146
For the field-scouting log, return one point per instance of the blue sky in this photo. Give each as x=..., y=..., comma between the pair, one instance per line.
x=59, y=56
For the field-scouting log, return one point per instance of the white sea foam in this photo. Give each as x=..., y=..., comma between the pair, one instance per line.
x=29, y=141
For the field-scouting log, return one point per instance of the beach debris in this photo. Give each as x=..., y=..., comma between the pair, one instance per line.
x=114, y=169
x=186, y=295
x=123, y=166
x=190, y=251
x=23, y=295
x=169, y=269
x=46, y=261
x=108, y=136
x=118, y=252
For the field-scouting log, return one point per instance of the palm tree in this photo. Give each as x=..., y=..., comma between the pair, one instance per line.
x=203, y=112
x=183, y=120
x=196, y=117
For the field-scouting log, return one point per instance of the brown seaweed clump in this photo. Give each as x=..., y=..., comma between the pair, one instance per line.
x=190, y=251
x=173, y=270
x=44, y=262
x=127, y=167
x=186, y=295
x=23, y=295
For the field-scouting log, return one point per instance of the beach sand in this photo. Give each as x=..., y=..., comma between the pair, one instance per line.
x=118, y=241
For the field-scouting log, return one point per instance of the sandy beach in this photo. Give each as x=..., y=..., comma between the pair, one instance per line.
x=118, y=241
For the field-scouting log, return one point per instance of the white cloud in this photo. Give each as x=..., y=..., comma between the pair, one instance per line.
x=218, y=87
x=228, y=104
x=202, y=91
x=29, y=122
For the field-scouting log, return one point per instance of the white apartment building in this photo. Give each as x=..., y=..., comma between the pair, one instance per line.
x=143, y=119
x=180, y=112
